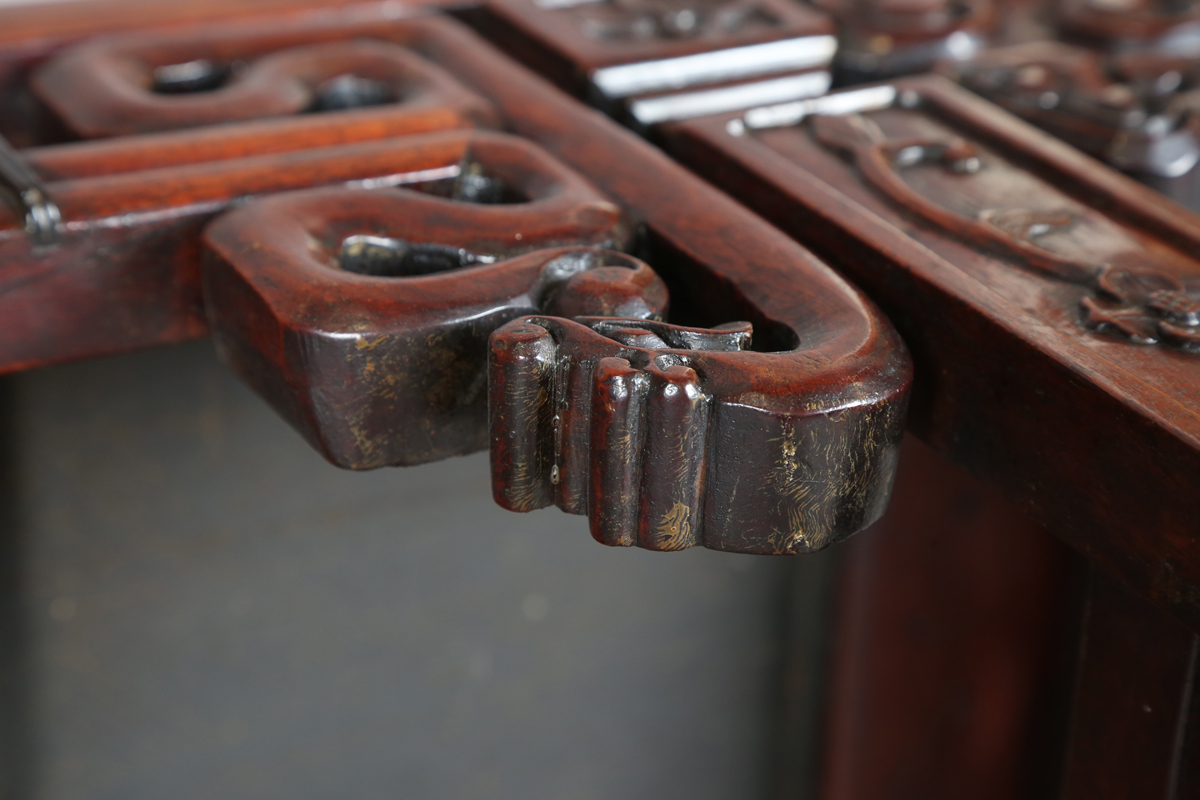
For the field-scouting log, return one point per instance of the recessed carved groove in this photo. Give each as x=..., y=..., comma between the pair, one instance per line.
x=1147, y=307
x=474, y=184
x=396, y=258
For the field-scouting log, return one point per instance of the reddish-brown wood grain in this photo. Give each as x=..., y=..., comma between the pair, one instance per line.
x=30, y=33
x=1133, y=709
x=363, y=316
x=826, y=428
x=126, y=274
x=584, y=37
x=721, y=262
x=827, y=425
x=37, y=24
x=1003, y=280
x=644, y=62
x=950, y=676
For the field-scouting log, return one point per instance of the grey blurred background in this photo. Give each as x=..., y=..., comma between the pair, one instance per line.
x=194, y=605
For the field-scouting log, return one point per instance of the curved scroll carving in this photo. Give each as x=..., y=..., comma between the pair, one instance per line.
x=363, y=316
x=608, y=418
x=137, y=84
x=1145, y=306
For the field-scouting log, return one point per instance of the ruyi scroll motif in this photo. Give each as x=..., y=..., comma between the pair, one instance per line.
x=364, y=319
x=362, y=311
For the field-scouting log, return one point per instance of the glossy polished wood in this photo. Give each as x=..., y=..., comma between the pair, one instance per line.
x=126, y=274
x=821, y=420
x=390, y=295
x=36, y=24
x=1020, y=272
x=105, y=87
x=797, y=417
x=645, y=61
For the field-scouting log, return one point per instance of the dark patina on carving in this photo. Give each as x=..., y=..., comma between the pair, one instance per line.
x=650, y=430
x=608, y=417
x=364, y=318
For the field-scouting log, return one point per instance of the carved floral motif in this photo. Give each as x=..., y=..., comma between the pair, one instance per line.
x=1146, y=306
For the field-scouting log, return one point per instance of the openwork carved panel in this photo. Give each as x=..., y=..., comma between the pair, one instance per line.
x=364, y=318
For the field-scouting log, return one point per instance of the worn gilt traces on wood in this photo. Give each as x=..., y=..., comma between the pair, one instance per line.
x=362, y=312
x=649, y=429
x=363, y=317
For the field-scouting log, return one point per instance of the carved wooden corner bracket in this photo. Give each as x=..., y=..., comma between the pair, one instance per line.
x=1143, y=306
x=362, y=311
x=364, y=318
